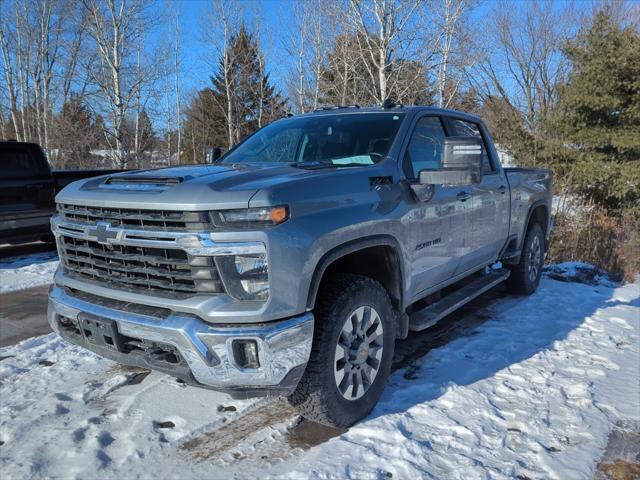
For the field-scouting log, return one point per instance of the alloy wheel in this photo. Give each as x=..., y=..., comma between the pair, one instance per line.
x=535, y=255
x=358, y=352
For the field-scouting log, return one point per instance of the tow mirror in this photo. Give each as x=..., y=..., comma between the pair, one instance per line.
x=213, y=155
x=461, y=163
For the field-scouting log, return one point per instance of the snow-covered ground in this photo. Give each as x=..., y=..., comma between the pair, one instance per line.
x=27, y=271
x=532, y=392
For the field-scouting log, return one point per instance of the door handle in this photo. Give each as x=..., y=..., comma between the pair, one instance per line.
x=463, y=196
x=502, y=189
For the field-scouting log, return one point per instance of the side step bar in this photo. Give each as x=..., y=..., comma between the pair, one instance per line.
x=432, y=314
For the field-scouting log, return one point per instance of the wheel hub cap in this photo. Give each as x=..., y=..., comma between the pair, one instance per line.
x=360, y=355
x=358, y=352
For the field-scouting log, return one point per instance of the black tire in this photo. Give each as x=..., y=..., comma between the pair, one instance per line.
x=525, y=276
x=317, y=396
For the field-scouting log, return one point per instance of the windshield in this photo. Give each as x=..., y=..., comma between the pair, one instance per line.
x=336, y=140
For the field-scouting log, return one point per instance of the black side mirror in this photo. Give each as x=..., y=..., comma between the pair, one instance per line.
x=213, y=155
x=461, y=163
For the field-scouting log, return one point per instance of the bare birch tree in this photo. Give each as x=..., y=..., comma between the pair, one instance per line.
x=447, y=45
x=220, y=24
x=39, y=42
x=384, y=30
x=524, y=63
x=116, y=28
x=177, y=92
x=306, y=47
x=10, y=75
x=335, y=63
x=296, y=48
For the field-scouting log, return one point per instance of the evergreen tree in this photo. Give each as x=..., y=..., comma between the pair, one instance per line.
x=253, y=99
x=77, y=132
x=506, y=123
x=145, y=133
x=598, y=114
x=205, y=126
x=138, y=141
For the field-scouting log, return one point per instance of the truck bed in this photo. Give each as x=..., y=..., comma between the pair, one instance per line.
x=27, y=191
x=529, y=187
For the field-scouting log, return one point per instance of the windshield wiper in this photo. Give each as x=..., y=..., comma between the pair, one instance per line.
x=351, y=164
x=327, y=164
x=313, y=164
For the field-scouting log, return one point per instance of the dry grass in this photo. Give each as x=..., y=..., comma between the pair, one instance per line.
x=620, y=470
x=593, y=235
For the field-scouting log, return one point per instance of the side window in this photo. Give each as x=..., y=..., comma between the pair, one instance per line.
x=425, y=146
x=469, y=129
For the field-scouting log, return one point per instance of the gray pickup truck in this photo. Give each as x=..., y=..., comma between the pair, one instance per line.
x=292, y=265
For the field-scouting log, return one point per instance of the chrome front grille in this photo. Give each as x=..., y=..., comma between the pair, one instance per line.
x=139, y=268
x=158, y=220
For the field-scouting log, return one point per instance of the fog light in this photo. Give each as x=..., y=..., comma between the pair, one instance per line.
x=245, y=353
x=255, y=264
x=258, y=288
x=245, y=277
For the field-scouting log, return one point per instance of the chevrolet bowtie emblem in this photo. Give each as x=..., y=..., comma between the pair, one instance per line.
x=103, y=232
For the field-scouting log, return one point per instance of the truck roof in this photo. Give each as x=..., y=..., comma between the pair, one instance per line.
x=15, y=143
x=413, y=109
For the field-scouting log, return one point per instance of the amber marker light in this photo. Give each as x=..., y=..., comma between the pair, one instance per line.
x=278, y=214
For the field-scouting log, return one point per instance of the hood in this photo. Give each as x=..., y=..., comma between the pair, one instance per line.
x=198, y=187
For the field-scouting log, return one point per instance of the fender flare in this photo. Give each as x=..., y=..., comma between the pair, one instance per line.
x=532, y=208
x=351, y=247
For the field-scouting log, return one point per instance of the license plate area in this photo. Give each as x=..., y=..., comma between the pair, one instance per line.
x=102, y=332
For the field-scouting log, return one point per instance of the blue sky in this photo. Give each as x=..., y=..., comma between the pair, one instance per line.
x=194, y=52
x=196, y=64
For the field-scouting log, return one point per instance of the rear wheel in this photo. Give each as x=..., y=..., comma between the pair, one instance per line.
x=525, y=276
x=351, y=355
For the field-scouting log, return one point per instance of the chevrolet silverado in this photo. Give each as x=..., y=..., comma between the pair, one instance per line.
x=292, y=265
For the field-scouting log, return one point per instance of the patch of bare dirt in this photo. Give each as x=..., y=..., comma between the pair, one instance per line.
x=621, y=459
x=620, y=470
x=211, y=445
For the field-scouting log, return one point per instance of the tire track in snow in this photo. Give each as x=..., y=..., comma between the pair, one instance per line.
x=273, y=431
x=211, y=445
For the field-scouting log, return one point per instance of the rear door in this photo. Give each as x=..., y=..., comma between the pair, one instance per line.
x=435, y=225
x=488, y=206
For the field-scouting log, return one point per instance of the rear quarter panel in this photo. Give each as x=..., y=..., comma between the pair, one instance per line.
x=530, y=188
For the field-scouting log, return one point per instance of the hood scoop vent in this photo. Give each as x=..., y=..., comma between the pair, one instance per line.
x=144, y=183
x=140, y=180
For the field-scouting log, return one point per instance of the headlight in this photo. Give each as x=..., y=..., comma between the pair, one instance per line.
x=250, y=217
x=245, y=277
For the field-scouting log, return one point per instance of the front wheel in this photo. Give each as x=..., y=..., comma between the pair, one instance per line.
x=525, y=276
x=352, y=350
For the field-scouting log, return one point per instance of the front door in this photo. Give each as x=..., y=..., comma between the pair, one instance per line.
x=436, y=224
x=488, y=206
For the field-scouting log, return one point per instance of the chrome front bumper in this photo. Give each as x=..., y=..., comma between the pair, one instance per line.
x=206, y=350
